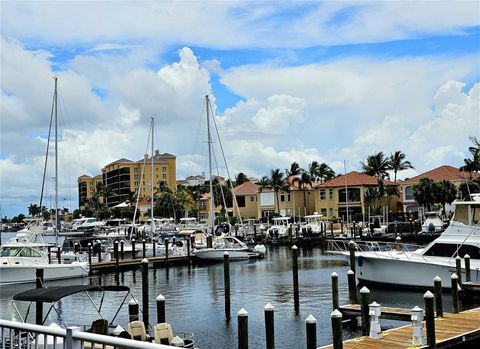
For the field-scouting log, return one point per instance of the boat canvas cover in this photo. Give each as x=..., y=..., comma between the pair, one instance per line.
x=54, y=294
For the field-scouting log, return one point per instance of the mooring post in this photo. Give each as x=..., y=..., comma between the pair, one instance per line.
x=166, y=253
x=154, y=247
x=458, y=269
x=351, y=248
x=99, y=247
x=39, y=305
x=364, y=299
x=132, y=310
x=398, y=243
x=145, y=292
x=226, y=279
x=49, y=250
x=455, y=300
x=468, y=276
x=76, y=247
x=144, y=248
x=188, y=250
x=122, y=249
x=290, y=232
x=209, y=241
x=296, y=298
x=242, y=316
x=352, y=288
x=337, y=333
x=134, y=255
x=311, y=329
x=59, y=255
x=341, y=226
x=115, y=252
x=331, y=228
x=255, y=232
x=335, y=301
x=89, y=248
x=160, y=309
x=437, y=283
x=429, y=319
x=269, y=326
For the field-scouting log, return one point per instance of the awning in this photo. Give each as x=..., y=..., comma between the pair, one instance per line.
x=54, y=294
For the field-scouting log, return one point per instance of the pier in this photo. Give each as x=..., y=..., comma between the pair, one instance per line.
x=136, y=263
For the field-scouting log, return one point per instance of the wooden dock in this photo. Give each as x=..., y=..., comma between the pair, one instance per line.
x=136, y=263
x=450, y=331
x=389, y=313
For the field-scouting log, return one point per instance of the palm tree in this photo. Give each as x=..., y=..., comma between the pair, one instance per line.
x=424, y=192
x=376, y=165
x=276, y=182
x=397, y=163
x=371, y=197
x=325, y=172
x=295, y=170
x=303, y=181
x=473, y=165
x=34, y=210
x=313, y=170
x=241, y=178
x=445, y=193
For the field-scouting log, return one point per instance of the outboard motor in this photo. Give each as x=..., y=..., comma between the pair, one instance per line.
x=431, y=228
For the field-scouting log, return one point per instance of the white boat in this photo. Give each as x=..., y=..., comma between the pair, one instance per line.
x=433, y=223
x=236, y=249
x=87, y=224
x=19, y=262
x=417, y=268
x=314, y=226
x=279, y=229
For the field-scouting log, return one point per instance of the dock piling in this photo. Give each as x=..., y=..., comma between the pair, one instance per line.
x=337, y=333
x=364, y=299
x=115, y=252
x=430, y=319
x=352, y=288
x=89, y=248
x=296, y=298
x=132, y=310
x=458, y=269
x=226, y=278
x=311, y=329
x=418, y=338
x=437, y=282
x=134, y=255
x=122, y=249
x=59, y=255
x=160, y=309
x=468, y=275
x=335, y=297
x=39, y=305
x=398, y=243
x=269, y=326
x=351, y=248
x=145, y=291
x=242, y=316
x=188, y=250
x=144, y=249
x=99, y=250
x=375, y=328
x=166, y=252
x=154, y=247
x=455, y=300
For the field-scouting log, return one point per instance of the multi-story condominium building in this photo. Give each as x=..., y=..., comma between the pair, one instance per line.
x=87, y=187
x=123, y=177
x=446, y=172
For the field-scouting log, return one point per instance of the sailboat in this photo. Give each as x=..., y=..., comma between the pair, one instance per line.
x=25, y=253
x=236, y=248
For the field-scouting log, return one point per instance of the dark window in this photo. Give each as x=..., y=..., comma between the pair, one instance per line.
x=353, y=195
x=448, y=250
x=241, y=201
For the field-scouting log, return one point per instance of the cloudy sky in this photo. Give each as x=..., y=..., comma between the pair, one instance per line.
x=291, y=81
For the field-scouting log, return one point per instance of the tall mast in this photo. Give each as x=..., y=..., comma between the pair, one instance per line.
x=56, y=165
x=212, y=213
x=151, y=182
x=346, y=188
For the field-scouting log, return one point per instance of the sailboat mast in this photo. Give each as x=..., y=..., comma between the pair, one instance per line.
x=56, y=165
x=151, y=182
x=212, y=217
x=346, y=188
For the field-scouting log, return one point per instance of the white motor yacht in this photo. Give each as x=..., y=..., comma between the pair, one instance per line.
x=418, y=268
x=236, y=249
x=314, y=226
x=279, y=229
x=433, y=223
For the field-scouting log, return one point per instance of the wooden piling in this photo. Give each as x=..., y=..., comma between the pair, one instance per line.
x=89, y=248
x=296, y=297
x=99, y=251
x=430, y=319
x=59, y=255
x=145, y=292
x=115, y=253
x=122, y=250
x=242, y=316
x=352, y=288
x=311, y=329
x=255, y=232
x=132, y=310
x=437, y=282
x=398, y=243
x=209, y=241
x=39, y=305
x=160, y=309
x=468, y=276
x=331, y=228
x=226, y=278
x=351, y=248
x=335, y=297
x=134, y=255
x=455, y=300
x=458, y=269
x=269, y=326
x=188, y=250
x=341, y=226
x=337, y=333
x=144, y=248
x=364, y=299
x=166, y=252
x=76, y=247
x=154, y=247
x=49, y=251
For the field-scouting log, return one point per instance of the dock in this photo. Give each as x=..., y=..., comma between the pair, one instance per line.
x=136, y=263
x=389, y=313
x=450, y=331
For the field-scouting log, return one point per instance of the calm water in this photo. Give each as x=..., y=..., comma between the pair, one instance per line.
x=195, y=298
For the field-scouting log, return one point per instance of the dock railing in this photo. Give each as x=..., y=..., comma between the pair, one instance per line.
x=20, y=335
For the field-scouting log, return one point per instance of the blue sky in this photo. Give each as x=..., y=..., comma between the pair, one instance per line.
x=291, y=81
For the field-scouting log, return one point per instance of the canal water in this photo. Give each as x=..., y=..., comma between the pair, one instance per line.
x=195, y=298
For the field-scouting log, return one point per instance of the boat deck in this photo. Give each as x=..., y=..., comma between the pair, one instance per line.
x=450, y=331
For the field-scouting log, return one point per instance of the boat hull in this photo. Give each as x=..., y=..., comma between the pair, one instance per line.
x=214, y=254
x=21, y=274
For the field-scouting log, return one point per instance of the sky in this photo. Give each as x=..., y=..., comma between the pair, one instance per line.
x=326, y=81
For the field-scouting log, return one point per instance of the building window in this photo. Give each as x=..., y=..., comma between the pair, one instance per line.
x=330, y=193
x=135, y=169
x=164, y=176
x=331, y=212
x=409, y=193
x=288, y=197
x=241, y=201
x=282, y=197
x=135, y=176
x=164, y=169
x=323, y=211
x=252, y=198
x=322, y=194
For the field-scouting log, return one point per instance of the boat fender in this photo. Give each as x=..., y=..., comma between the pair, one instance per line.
x=360, y=261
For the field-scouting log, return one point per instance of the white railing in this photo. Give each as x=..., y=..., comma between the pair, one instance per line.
x=18, y=335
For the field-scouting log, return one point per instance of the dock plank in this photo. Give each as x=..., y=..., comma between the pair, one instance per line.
x=449, y=331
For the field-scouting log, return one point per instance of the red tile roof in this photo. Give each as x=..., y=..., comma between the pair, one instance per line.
x=247, y=188
x=353, y=178
x=443, y=172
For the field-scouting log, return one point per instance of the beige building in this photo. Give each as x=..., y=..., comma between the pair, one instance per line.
x=247, y=200
x=87, y=186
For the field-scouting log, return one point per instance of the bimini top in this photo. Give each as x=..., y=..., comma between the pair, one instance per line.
x=54, y=294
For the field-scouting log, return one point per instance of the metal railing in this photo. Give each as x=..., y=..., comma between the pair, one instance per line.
x=18, y=335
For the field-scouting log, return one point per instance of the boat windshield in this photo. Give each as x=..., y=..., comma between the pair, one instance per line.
x=19, y=252
x=467, y=214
